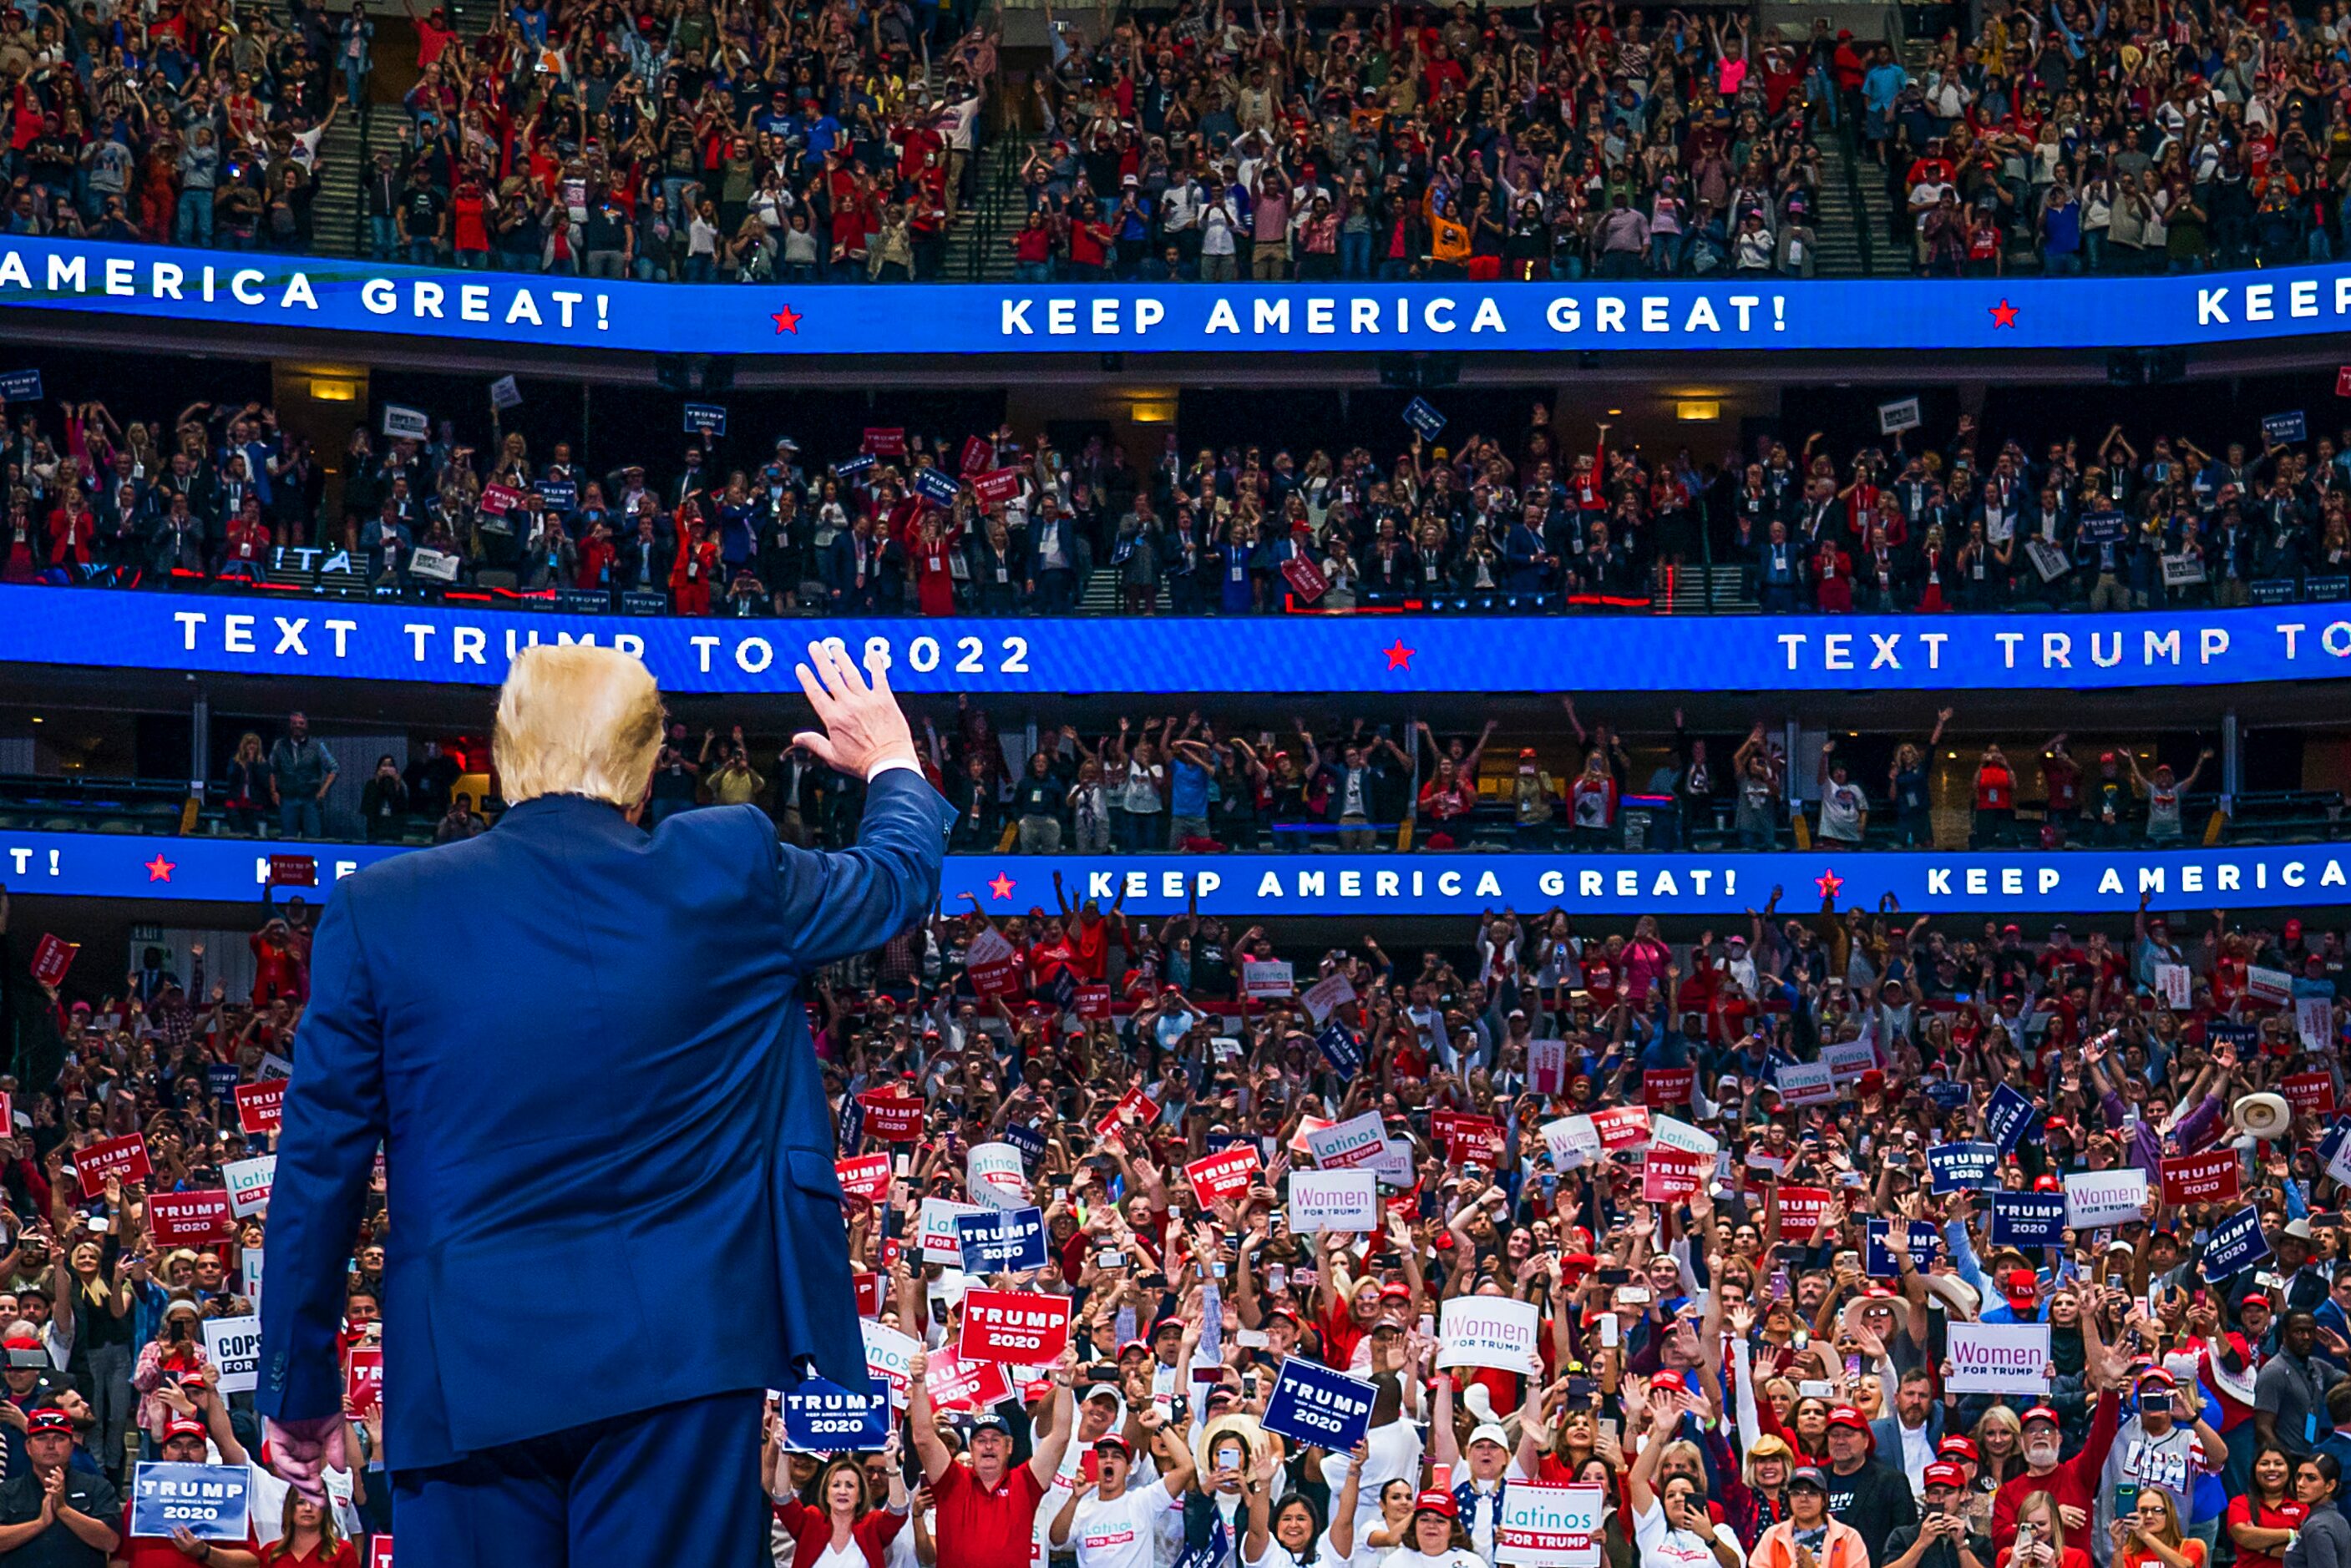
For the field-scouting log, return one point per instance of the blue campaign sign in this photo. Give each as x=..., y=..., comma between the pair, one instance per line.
x=821, y=1417
x=472, y=647
x=1340, y=1048
x=223, y=1078
x=2007, y=1116
x=1947, y=1095
x=1001, y=1241
x=1878, y=1259
x=325, y=295
x=21, y=386
x=1963, y=1166
x=936, y=485
x=1422, y=417
x=210, y=1501
x=562, y=495
x=2028, y=1219
x=2235, y=1244
x=2283, y=429
x=1315, y=1405
x=2102, y=528
x=1027, y=1140
x=707, y=419
x=230, y=870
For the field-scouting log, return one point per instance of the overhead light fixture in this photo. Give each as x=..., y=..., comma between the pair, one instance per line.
x=1613, y=412
x=325, y=389
x=1698, y=411
x=36, y=719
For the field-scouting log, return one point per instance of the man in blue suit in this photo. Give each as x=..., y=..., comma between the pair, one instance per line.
x=614, y=1216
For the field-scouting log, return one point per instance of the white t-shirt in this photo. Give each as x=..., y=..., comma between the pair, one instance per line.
x=850, y=1557
x=1395, y=1454
x=1670, y=1548
x=1451, y=1557
x=1277, y=1555
x=1119, y=1531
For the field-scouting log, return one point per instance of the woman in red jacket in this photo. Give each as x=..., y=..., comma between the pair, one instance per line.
x=697, y=560
x=847, y=1525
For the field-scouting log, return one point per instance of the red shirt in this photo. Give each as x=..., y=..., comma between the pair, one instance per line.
x=1995, y=788
x=984, y=1528
x=343, y=1555
x=2287, y=1515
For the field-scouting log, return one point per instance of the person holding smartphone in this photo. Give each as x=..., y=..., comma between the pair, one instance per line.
x=1942, y=1538
x=2167, y=1445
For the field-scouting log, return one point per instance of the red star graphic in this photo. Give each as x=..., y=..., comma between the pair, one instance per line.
x=1400, y=656
x=1001, y=887
x=159, y=869
x=786, y=320
x=1828, y=882
x=2003, y=315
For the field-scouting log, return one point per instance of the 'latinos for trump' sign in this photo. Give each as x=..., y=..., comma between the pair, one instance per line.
x=1543, y=1525
x=1319, y=1406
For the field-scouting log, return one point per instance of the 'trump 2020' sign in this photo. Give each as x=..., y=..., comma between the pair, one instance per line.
x=117, y=865
x=258, y=635
x=1957, y=313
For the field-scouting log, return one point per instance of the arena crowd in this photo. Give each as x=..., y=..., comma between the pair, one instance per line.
x=1544, y=516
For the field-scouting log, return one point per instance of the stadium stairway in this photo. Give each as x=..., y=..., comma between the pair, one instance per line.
x=1841, y=222
x=977, y=247
x=335, y=218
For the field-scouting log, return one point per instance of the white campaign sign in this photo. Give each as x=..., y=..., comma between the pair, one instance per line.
x=1547, y=1066
x=2094, y=1199
x=2172, y=982
x=248, y=1183
x=1324, y=1201
x=2272, y=985
x=1573, y=1141
x=2313, y=1019
x=1805, y=1084
x=1548, y=1526
x=1489, y=1331
x=1266, y=977
x=1849, y=1059
x=235, y=1346
x=1326, y=996
x=1358, y=1140
x=1671, y=1134
x=888, y=1355
x=1998, y=1358
x=997, y=1177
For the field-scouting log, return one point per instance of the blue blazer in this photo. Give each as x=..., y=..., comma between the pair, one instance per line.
x=607, y=1140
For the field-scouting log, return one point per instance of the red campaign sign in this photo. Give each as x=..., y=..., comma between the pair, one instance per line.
x=1622, y=1126
x=997, y=486
x=1001, y=979
x=891, y=1117
x=1013, y=1326
x=497, y=500
x=1663, y=1088
x=1473, y=1140
x=2309, y=1092
x=1306, y=579
x=1093, y=1001
x=1405, y=1206
x=189, y=1218
x=259, y=1107
x=1801, y=1209
x=363, y=1379
x=124, y=1158
x=977, y=454
x=2201, y=1178
x=890, y=1248
x=870, y=1291
x=1227, y=1173
x=959, y=1383
x=866, y=1177
x=1670, y=1175
x=379, y=1552
x=1134, y=1102
x=885, y=440
x=292, y=870
x=2343, y=383
x=52, y=956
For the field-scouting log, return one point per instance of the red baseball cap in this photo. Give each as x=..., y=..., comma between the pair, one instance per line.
x=1940, y=1474
x=1434, y=1501
x=2040, y=1413
x=41, y=1421
x=1846, y=1416
x=182, y=1427
x=1957, y=1447
x=2022, y=1289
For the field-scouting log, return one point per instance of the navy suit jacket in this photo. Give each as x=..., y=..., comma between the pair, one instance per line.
x=609, y=1151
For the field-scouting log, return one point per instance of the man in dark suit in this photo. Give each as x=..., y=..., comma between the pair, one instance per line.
x=605, y=1135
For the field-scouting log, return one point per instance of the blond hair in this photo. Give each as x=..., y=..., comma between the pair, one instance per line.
x=577, y=720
